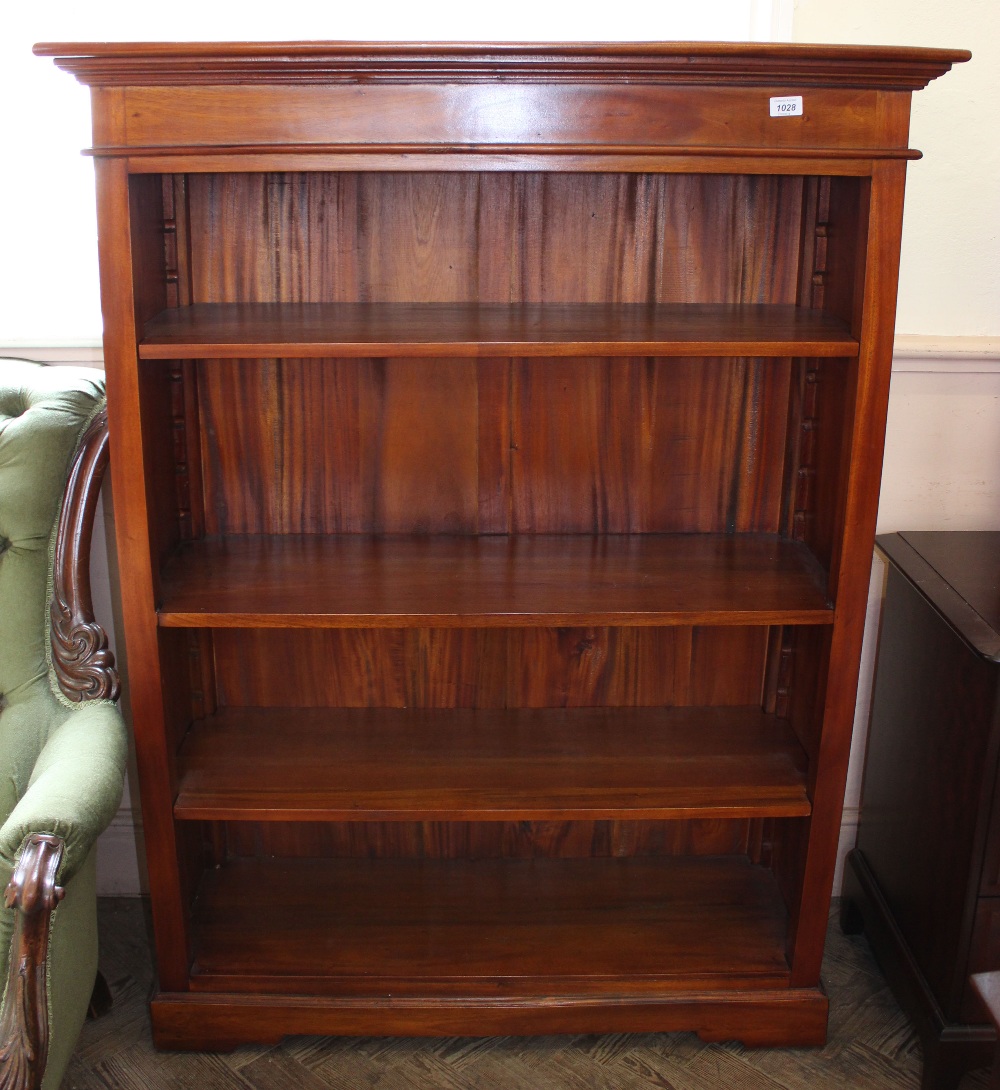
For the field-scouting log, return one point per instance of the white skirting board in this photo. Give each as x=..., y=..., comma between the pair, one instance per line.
x=941, y=472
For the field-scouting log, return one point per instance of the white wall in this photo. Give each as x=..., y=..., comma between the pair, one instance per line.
x=942, y=461
x=942, y=465
x=949, y=272
x=49, y=294
x=941, y=472
x=49, y=299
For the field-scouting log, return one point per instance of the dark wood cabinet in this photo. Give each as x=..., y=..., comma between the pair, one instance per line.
x=923, y=880
x=496, y=436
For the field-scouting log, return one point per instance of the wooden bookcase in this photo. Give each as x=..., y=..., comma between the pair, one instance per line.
x=496, y=435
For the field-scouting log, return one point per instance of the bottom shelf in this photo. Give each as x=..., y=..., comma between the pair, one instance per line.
x=484, y=947
x=485, y=927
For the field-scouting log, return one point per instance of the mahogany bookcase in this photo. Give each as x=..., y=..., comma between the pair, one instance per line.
x=496, y=435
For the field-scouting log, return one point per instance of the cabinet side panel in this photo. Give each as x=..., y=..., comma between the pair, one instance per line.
x=498, y=237
x=932, y=719
x=130, y=221
x=845, y=233
x=832, y=267
x=157, y=401
x=866, y=403
x=827, y=424
x=805, y=657
x=839, y=290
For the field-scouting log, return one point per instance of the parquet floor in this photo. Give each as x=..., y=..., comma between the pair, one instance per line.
x=870, y=1046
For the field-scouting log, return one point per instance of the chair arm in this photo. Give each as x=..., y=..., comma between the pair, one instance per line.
x=24, y=1024
x=81, y=661
x=73, y=793
x=75, y=788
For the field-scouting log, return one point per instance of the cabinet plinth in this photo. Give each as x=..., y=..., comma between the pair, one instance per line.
x=495, y=436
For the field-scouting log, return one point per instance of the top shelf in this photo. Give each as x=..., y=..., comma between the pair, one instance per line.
x=268, y=330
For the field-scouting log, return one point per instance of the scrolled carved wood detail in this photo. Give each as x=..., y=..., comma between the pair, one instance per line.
x=83, y=664
x=24, y=1023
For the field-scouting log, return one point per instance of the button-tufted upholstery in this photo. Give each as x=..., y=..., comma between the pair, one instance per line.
x=61, y=763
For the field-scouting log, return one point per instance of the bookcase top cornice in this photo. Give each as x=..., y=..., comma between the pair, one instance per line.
x=752, y=64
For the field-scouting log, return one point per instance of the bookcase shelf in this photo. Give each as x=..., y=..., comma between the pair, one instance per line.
x=378, y=764
x=486, y=927
x=495, y=439
x=355, y=580
x=262, y=330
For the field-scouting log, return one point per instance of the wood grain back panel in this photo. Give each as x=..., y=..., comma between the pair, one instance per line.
x=451, y=445
x=331, y=446
x=434, y=445
x=483, y=839
x=666, y=445
x=494, y=237
x=494, y=446
x=490, y=668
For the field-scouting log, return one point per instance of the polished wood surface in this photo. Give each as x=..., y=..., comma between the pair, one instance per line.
x=765, y=1017
x=869, y=1043
x=132, y=238
x=478, y=379
x=33, y=896
x=527, y=765
x=970, y=595
x=460, y=841
x=204, y=63
x=987, y=987
x=265, y=330
x=495, y=447
x=81, y=659
x=313, y=581
x=924, y=875
x=640, y=98
x=532, y=667
x=482, y=237
x=485, y=927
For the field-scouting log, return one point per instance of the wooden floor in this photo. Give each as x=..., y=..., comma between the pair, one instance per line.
x=870, y=1045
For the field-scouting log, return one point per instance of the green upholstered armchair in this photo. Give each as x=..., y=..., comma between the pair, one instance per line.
x=62, y=740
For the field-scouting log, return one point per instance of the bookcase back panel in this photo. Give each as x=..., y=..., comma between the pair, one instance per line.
x=578, y=445
x=620, y=446
x=486, y=839
x=491, y=668
x=493, y=237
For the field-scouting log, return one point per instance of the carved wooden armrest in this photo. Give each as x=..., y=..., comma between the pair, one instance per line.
x=80, y=656
x=24, y=1023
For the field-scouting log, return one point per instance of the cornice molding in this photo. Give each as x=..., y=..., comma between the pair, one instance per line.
x=115, y=64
